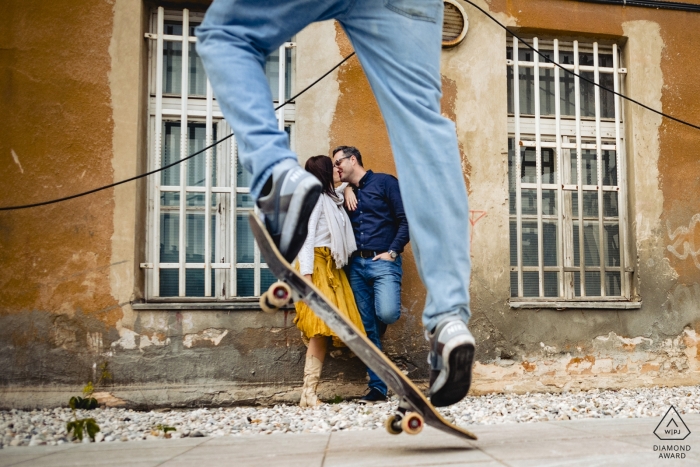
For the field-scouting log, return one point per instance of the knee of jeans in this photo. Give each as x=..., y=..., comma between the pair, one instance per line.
x=389, y=315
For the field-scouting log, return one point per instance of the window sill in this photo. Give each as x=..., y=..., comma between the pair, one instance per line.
x=239, y=305
x=577, y=305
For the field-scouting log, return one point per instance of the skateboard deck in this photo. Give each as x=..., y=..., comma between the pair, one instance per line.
x=411, y=398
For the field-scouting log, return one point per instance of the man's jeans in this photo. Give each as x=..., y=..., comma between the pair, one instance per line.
x=398, y=43
x=377, y=289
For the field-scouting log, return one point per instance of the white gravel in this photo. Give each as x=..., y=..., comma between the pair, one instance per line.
x=39, y=427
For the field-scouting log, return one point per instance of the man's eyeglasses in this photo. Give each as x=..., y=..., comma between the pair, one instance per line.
x=337, y=163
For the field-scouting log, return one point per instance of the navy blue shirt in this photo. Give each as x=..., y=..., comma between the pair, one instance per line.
x=379, y=222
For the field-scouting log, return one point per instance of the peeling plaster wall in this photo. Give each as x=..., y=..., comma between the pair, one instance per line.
x=79, y=118
x=316, y=108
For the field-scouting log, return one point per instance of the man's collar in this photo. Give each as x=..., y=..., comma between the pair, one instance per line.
x=365, y=178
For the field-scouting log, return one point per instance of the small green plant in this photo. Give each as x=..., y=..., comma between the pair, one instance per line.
x=87, y=403
x=164, y=428
x=336, y=400
x=81, y=426
x=160, y=428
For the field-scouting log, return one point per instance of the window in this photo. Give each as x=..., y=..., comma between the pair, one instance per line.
x=566, y=169
x=199, y=245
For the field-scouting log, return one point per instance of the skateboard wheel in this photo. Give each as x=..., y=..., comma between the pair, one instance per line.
x=266, y=306
x=279, y=294
x=393, y=426
x=412, y=423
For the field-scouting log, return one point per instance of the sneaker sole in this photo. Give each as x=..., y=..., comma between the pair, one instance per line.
x=299, y=212
x=459, y=378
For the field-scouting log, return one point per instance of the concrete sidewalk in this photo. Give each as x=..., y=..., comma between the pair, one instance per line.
x=609, y=442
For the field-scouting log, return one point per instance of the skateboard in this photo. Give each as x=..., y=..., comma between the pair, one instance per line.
x=414, y=410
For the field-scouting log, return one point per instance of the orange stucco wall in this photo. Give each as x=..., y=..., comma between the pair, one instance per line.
x=55, y=140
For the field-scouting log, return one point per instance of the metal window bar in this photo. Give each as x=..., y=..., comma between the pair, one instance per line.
x=602, y=246
x=184, y=127
x=233, y=276
x=621, y=163
x=560, y=180
x=538, y=172
x=282, y=84
x=208, y=195
x=158, y=130
x=593, y=130
x=517, y=156
x=579, y=177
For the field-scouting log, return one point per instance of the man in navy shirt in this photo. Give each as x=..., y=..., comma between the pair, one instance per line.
x=381, y=233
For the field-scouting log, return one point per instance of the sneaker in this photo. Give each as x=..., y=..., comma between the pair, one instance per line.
x=290, y=196
x=373, y=395
x=450, y=358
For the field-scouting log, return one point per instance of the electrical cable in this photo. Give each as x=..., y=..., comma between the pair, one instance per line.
x=655, y=4
x=58, y=200
x=579, y=76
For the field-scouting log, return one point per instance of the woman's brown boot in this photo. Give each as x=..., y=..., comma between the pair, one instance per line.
x=312, y=376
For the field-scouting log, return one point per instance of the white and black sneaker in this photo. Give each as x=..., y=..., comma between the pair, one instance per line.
x=290, y=195
x=451, y=357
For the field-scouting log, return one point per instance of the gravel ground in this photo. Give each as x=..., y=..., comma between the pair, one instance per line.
x=23, y=428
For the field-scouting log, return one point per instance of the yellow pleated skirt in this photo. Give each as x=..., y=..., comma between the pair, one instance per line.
x=334, y=285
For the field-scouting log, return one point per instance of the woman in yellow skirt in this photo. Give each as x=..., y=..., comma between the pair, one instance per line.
x=328, y=245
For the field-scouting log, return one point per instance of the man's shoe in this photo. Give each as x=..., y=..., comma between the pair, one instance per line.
x=372, y=396
x=382, y=327
x=290, y=195
x=450, y=358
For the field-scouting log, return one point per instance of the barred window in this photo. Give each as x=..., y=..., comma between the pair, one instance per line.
x=199, y=244
x=566, y=172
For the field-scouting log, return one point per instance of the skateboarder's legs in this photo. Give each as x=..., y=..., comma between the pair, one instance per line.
x=400, y=54
x=399, y=46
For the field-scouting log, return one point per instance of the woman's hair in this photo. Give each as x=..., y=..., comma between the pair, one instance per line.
x=322, y=168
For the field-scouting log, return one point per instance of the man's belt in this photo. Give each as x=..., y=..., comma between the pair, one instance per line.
x=366, y=253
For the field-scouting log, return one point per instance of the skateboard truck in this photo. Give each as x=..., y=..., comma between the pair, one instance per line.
x=404, y=421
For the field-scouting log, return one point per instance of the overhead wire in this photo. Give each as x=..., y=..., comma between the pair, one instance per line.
x=180, y=161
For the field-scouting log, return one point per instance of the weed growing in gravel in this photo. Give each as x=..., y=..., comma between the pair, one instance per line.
x=160, y=428
x=80, y=426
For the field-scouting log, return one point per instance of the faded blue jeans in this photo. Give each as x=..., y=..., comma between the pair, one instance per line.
x=398, y=43
x=376, y=286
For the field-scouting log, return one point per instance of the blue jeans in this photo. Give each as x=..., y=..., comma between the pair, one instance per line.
x=377, y=289
x=398, y=43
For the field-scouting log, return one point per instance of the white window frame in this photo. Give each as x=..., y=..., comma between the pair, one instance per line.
x=564, y=133
x=198, y=109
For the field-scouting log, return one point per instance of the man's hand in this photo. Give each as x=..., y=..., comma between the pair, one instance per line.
x=350, y=198
x=383, y=256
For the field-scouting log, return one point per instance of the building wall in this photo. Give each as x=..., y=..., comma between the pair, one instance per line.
x=75, y=79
